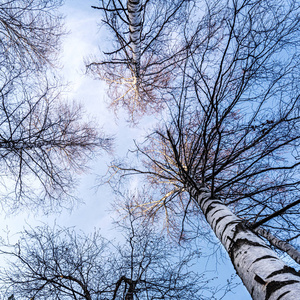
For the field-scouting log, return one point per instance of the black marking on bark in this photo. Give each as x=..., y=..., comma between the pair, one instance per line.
x=241, y=226
x=218, y=221
x=264, y=257
x=216, y=211
x=211, y=206
x=232, y=240
x=285, y=293
x=259, y=279
x=225, y=228
x=285, y=269
x=237, y=244
x=273, y=286
x=231, y=223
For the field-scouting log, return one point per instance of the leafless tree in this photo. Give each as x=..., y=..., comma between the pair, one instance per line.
x=144, y=54
x=43, y=143
x=29, y=32
x=61, y=264
x=231, y=144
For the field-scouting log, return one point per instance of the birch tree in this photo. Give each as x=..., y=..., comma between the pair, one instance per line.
x=144, y=52
x=230, y=147
x=44, y=141
x=30, y=32
x=62, y=264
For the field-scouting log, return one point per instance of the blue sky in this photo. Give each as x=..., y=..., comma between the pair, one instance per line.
x=83, y=40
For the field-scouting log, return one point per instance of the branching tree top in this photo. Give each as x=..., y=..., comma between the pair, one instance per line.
x=234, y=125
x=29, y=32
x=230, y=145
x=60, y=264
x=44, y=140
x=144, y=52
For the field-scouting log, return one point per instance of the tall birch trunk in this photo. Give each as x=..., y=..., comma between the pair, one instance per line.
x=135, y=24
x=284, y=246
x=264, y=274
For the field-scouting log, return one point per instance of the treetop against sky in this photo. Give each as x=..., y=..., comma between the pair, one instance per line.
x=223, y=77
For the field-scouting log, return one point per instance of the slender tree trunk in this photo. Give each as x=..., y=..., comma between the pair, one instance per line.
x=135, y=24
x=264, y=274
x=279, y=244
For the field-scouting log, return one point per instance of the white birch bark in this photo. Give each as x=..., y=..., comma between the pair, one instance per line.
x=281, y=245
x=135, y=24
x=264, y=274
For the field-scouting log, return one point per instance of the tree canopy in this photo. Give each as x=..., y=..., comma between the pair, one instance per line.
x=232, y=131
x=44, y=140
x=59, y=263
x=225, y=152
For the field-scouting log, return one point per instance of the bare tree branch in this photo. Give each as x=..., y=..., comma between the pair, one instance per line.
x=232, y=135
x=143, y=60
x=64, y=265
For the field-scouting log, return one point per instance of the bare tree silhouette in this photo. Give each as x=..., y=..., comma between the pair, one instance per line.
x=230, y=143
x=145, y=54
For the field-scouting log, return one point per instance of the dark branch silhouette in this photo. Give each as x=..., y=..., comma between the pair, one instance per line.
x=230, y=147
x=44, y=141
x=145, y=53
x=60, y=264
